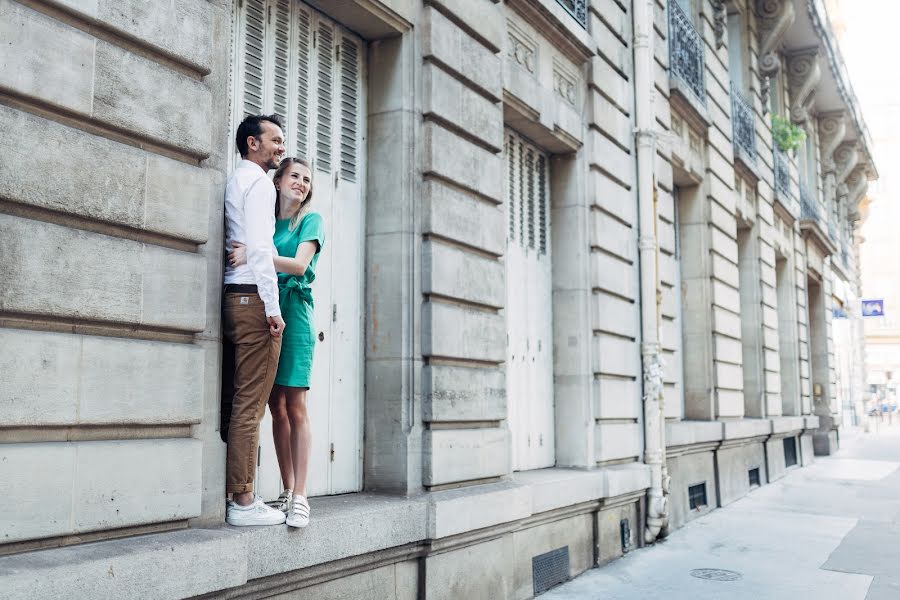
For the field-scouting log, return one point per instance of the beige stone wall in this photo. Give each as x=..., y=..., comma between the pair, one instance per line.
x=110, y=229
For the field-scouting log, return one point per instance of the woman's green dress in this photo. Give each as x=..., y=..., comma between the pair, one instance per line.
x=295, y=297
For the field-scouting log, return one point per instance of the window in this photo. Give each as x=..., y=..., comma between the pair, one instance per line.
x=697, y=496
x=576, y=8
x=307, y=69
x=753, y=476
x=529, y=376
x=811, y=167
x=737, y=50
x=790, y=451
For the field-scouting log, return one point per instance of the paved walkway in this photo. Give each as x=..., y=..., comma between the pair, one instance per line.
x=830, y=531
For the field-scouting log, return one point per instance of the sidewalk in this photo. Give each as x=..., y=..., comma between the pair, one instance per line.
x=829, y=531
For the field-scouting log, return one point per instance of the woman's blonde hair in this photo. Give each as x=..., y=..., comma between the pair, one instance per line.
x=287, y=162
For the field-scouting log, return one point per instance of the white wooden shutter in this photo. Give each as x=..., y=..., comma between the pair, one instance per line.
x=303, y=53
x=349, y=105
x=281, y=48
x=253, y=52
x=529, y=305
x=324, y=95
x=302, y=66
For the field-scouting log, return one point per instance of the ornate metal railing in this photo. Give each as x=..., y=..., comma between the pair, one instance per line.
x=686, y=58
x=576, y=8
x=782, y=174
x=809, y=206
x=743, y=124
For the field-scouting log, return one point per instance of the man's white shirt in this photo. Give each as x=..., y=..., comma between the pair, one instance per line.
x=250, y=219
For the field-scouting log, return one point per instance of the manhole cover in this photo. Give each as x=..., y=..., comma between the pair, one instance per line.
x=716, y=574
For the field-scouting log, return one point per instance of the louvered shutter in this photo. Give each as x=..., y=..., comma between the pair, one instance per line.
x=350, y=83
x=281, y=53
x=324, y=95
x=529, y=305
x=300, y=65
x=253, y=52
x=542, y=202
x=303, y=55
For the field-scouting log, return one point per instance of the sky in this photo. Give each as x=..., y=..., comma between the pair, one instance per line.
x=870, y=43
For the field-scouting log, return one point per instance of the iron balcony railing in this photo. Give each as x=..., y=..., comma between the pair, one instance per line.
x=686, y=58
x=576, y=8
x=743, y=126
x=809, y=206
x=782, y=174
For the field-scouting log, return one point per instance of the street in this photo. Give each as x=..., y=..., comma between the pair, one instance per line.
x=829, y=531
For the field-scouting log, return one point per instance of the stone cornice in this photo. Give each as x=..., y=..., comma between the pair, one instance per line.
x=774, y=17
x=818, y=17
x=719, y=16
x=832, y=128
x=846, y=157
x=858, y=182
x=558, y=27
x=803, y=73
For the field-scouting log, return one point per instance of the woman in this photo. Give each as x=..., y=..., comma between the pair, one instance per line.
x=299, y=237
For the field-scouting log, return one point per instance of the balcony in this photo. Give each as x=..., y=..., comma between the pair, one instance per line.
x=782, y=184
x=686, y=56
x=813, y=221
x=576, y=8
x=809, y=206
x=782, y=174
x=743, y=126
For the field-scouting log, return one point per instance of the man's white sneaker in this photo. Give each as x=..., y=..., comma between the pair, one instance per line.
x=256, y=513
x=283, y=503
x=299, y=515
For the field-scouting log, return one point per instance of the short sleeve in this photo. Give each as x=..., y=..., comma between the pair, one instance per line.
x=312, y=229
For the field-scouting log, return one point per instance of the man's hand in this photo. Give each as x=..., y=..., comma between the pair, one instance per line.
x=276, y=325
x=238, y=255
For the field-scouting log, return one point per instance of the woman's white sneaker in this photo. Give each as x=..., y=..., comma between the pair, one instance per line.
x=255, y=513
x=299, y=515
x=283, y=503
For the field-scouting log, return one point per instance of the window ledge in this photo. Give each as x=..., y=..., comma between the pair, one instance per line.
x=687, y=433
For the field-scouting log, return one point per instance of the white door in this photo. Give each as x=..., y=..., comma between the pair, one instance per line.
x=529, y=366
x=307, y=69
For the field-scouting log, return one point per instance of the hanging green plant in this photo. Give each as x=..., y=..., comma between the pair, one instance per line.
x=786, y=135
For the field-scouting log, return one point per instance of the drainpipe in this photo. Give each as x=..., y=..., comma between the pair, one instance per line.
x=645, y=141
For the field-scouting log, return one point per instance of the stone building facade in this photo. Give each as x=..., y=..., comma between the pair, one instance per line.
x=571, y=296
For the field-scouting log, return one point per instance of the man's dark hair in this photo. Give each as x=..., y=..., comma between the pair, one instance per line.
x=252, y=125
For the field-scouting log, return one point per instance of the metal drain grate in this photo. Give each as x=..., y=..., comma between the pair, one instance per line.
x=716, y=574
x=549, y=569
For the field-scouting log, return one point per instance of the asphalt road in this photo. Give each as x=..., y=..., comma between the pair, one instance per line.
x=827, y=531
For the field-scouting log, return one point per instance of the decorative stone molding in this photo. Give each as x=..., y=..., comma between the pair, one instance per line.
x=846, y=156
x=858, y=183
x=774, y=18
x=803, y=73
x=565, y=84
x=522, y=49
x=832, y=128
x=719, y=17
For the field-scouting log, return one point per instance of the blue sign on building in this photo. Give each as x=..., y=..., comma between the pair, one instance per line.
x=873, y=308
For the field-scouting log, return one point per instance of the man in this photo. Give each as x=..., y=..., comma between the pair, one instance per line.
x=250, y=312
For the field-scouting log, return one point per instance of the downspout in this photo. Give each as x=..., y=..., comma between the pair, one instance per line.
x=645, y=141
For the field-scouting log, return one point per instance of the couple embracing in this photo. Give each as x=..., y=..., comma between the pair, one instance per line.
x=273, y=241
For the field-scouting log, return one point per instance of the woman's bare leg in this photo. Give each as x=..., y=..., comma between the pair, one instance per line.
x=301, y=436
x=281, y=432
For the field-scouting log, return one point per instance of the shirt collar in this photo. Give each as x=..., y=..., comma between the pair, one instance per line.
x=249, y=164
